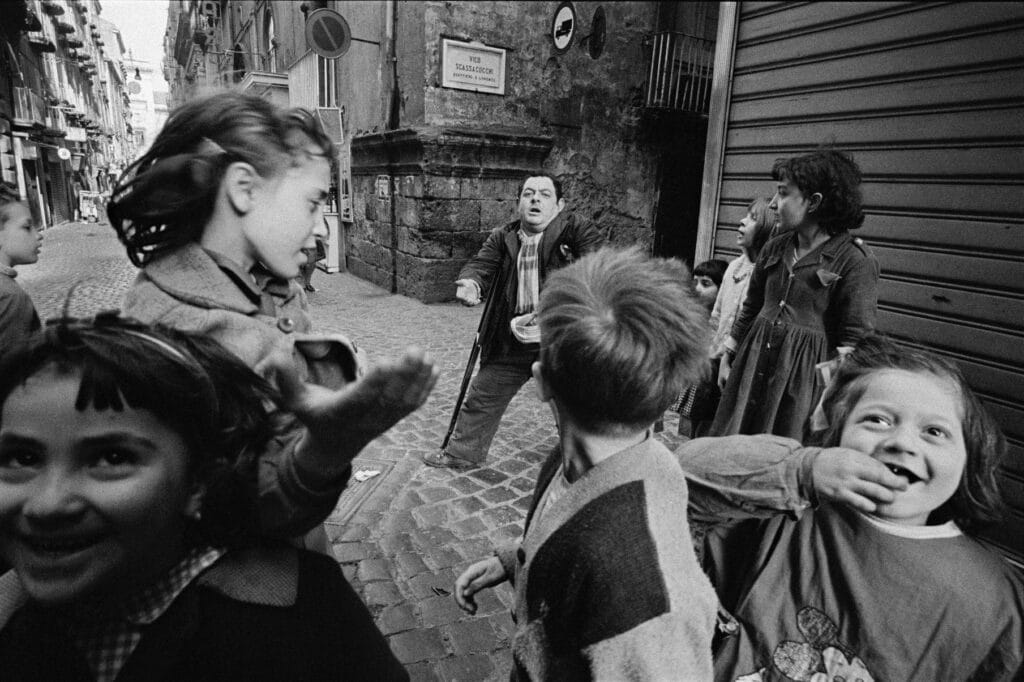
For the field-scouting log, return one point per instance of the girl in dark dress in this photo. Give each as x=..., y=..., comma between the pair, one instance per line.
x=812, y=296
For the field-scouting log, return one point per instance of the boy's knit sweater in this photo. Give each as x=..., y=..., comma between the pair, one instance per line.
x=607, y=584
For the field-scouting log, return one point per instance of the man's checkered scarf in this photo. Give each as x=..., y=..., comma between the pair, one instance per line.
x=528, y=266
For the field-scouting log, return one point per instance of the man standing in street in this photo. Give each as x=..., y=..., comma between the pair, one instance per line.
x=515, y=259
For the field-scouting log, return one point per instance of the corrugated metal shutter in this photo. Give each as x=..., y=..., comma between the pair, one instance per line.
x=929, y=98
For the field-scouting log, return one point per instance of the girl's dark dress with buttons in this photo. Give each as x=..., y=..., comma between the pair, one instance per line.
x=794, y=317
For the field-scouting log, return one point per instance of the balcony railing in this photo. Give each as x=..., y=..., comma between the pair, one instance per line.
x=29, y=108
x=679, y=77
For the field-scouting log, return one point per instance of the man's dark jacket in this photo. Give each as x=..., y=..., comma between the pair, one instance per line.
x=565, y=239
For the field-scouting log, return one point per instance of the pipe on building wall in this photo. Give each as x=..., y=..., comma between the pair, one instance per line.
x=394, y=119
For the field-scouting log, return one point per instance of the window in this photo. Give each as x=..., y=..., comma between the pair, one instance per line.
x=327, y=82
x=270, y=41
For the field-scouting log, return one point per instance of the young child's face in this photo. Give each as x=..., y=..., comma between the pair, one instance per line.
x=790, y=204
x=90, y=502
x=748, y=230
x=20, y=241
x=707, y=290
x=287, y=213
x=911, y=422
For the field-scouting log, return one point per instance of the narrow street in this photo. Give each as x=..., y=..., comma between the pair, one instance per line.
x=403, y=535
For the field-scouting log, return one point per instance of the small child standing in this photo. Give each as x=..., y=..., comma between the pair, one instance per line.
x=866, y=566
x=698, y=402
x=20, y=242
x=128, y=514
x=607, y=585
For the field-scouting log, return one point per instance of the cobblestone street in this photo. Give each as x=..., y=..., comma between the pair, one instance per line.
x=404, y=535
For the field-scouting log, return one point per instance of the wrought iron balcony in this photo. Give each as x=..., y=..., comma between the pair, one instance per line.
x=679, y=77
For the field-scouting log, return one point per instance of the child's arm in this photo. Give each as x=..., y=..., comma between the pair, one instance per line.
x=485, y=573
x=857, y=301
x=738, y=477
x=307, y=468
x=340, y=423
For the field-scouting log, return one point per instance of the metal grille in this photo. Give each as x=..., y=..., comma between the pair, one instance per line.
x=680, y=73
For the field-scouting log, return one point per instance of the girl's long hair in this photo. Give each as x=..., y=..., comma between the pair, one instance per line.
x=165, y=198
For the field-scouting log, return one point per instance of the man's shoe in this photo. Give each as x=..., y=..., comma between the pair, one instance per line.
x=443, y=460
x=310, y=288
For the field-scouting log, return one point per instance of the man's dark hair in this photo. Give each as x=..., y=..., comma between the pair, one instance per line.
x=554, y=181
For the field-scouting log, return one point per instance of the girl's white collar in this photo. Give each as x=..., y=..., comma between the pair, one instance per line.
x=945, y=530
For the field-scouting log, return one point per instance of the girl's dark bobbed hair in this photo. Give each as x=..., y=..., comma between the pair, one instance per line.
x=834, y=175
x=165, y=198
x=977, y=501
x=189, y=382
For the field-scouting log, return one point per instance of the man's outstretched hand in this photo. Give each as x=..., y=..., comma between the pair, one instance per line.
x=342, y=422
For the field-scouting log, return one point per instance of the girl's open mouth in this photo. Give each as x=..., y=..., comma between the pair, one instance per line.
x=904, y=472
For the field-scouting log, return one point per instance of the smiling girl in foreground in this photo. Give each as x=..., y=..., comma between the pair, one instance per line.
x=881, y=581
x=127, y=510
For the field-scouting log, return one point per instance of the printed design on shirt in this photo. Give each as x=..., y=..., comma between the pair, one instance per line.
x=820, y=658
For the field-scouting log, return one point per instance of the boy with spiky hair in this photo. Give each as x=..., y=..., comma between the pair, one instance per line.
x=607, y=585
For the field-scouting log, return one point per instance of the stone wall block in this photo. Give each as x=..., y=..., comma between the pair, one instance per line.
x=425, y=244
x=438, y=187
x=407, y=211
x=495, y=212
x=373, y=207
x=449, y=215
x=411, y=186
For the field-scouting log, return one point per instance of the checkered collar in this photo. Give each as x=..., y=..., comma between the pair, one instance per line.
x=108, y=640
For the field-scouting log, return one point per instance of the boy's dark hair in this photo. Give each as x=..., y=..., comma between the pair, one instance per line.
x=621, y=335
x=834, y=175
x=189, y=382
x=977, y=501
x=164, y=199
x=714, y=268
x=554, y=181
x=766, y=219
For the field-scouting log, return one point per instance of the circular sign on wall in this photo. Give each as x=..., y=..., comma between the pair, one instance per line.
x=63, y=154
x=327, y=33
x=563, y=27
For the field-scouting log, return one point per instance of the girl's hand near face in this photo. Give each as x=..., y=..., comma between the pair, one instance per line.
x=853, y=478
x=342, y=422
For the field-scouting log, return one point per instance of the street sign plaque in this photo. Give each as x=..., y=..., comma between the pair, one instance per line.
x=327, y=33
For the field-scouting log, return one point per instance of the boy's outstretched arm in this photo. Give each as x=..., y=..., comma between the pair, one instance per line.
x=735, y=477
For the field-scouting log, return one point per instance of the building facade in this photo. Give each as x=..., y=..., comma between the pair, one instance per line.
x=63, y=109
x=619, y=114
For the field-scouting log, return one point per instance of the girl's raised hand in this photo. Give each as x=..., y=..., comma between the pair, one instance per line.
x=853, y=478
x=342, y=422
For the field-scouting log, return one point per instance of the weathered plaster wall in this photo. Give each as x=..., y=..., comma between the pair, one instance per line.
x=608, y=168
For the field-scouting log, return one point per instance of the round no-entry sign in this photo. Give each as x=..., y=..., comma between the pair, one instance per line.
x=563, y=27
x=327, y=33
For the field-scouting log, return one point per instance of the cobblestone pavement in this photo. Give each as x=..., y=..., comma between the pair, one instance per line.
x=404, y=535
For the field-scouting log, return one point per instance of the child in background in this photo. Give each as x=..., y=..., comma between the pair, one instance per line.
x=707, y=278
x=812, y=296
x=866, y=567
x=607, y=586
x=128, y=512
x=20, y=242
x=698, y=402
x=754, y=231
x=216, y=214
